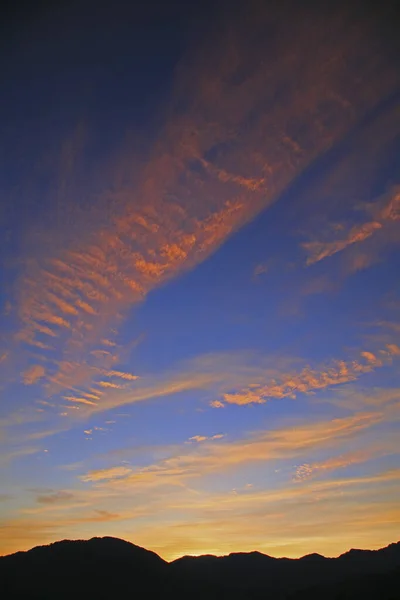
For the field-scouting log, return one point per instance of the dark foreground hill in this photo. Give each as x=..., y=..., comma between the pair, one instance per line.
x=112, y=568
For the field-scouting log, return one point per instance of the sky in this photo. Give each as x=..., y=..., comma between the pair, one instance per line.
x=199, y=291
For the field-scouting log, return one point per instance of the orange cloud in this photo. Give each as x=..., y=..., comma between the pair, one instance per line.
x=393, y=349
x=307, y=470
x=204, y=438
x=389, y=212
x=219, y=457
x=217, y=404
x=33, y=374
x=109, y=384
x=106, y=474
x=319, y=250
x=79, y=400
x=307, y=381
x=54, y=498
x=121, y=374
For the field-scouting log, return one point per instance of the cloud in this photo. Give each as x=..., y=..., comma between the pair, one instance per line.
x=217, y=404
x=391, y=210
x=318, y=250
x=204, y=438
x=198, y=438
x=110, y=384
x=10, y=455
x=33, y=374
x=80, y=400
x=121, y=374
x=393, y=349
x=106, y=474
x=262, y=447
x=358, y=233
x=261, y=269
x=307, y=381
x=56, y=497
x=238, y=378
x=375, y=450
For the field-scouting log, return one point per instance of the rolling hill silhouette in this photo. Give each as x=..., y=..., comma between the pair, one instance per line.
x=112, y=568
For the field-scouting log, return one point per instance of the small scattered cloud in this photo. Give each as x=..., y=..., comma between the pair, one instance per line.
x=111, y=385
x=307, y=471
x=204, y=438
x=55, y=498
x=106, y=474
x=79, y=400
x=217, y=404
x=261, y=269
x=33, y=374
x=121, y=375
x=393, y=349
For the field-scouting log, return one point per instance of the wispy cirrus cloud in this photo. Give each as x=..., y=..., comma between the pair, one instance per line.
x=106, y=474
x=388, y=213
x=213, y=456
x=54, y=498
x=227, y=379
x=319, y=250
x=204, y=438
x=308, y=380
x=373, y=451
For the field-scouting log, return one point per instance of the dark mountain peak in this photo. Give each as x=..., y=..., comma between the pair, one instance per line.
x=392, y=549
x=236, y=557
x=97, y=549
x=250, y=558
x=190, y=559
x=118, y=544
x=313, y=557
x=254, y=554
x=355, y=552
x=92, y=543
x=94, y=568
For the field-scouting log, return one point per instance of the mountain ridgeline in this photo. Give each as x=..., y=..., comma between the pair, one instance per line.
x=112, y=568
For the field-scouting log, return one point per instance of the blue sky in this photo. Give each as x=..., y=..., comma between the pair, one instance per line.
x=200, y=304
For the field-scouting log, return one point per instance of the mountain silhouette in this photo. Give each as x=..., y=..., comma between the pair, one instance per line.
x=112, y=568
